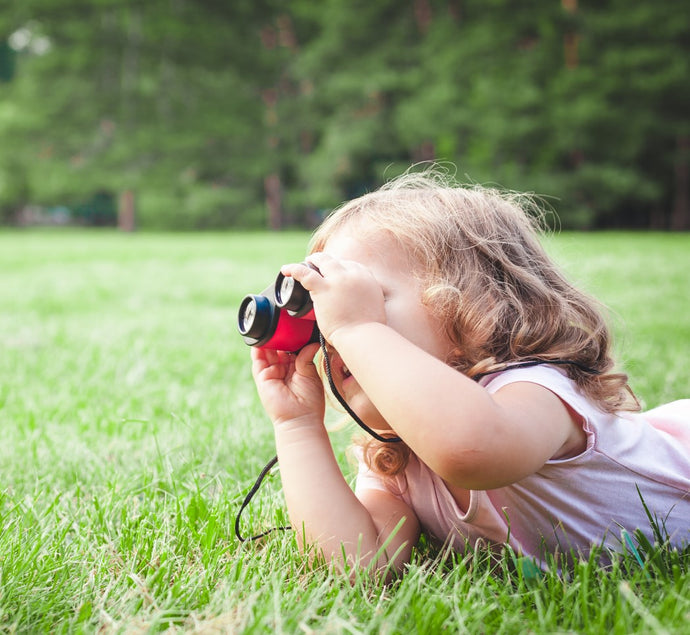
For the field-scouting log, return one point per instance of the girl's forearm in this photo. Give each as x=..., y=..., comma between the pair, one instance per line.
x=454, y=425
x=323, y=509
x=412, y=389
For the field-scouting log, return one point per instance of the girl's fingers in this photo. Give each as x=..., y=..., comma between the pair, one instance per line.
x=306, y=275
x=263, y=356
x=326, y=264
x=323, y=266
x=320, y=259
x=329, y=266
x=266, y=358
x=304, y=362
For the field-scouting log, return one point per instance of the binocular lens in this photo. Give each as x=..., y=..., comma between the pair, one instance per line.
x=291, y=295
x=247, y=318
x=286, y=287
x=255, y=316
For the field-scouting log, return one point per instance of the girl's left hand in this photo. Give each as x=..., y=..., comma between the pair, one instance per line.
x=289, y=385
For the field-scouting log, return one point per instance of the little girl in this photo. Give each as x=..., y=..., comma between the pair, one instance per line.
x=449, y=328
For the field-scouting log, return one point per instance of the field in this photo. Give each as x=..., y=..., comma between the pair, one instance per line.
x=131, y=431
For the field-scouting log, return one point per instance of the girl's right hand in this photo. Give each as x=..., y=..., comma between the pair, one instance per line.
x=289, y=385
x=345, y=292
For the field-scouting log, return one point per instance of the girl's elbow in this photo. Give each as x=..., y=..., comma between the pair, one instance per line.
x=379, y=566
x=468, y=469
x=381, y=561
x=484, y=475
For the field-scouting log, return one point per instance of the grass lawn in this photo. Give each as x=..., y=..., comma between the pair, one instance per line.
x=131, y=431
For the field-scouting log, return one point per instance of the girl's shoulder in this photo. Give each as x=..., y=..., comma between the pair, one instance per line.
x=553, y=378
x=666, y=424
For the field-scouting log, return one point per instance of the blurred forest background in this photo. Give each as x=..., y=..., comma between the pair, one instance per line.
x=205, y=114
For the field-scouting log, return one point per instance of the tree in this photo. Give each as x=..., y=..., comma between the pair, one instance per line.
x=158, y=98
x=624, y=114
x=221, y=114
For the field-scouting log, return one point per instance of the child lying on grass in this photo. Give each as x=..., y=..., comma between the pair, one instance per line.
x=448, y=327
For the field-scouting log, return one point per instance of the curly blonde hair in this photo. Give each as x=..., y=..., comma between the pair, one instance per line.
x=489, y=280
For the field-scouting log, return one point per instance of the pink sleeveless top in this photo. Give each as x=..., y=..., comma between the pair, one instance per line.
x=570, y=503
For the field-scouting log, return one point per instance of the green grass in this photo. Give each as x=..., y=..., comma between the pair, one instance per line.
x=131, y=430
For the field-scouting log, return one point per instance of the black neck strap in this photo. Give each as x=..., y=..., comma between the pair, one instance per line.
x=538, y=362
x=343, y=403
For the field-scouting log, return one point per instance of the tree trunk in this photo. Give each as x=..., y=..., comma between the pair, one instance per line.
x=571, y=39
x=126, y=220
x=425, y=151
x=274, y=201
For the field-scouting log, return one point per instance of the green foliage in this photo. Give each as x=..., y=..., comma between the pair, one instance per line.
x=197, y=206
x=141, y=97
x=197, y=103
x=7, y=61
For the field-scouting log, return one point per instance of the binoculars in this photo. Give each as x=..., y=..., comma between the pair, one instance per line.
x=281, y=317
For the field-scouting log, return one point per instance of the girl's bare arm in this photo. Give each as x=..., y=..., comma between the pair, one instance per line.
x=469, y=437
x=323, y=509
x=325, y=512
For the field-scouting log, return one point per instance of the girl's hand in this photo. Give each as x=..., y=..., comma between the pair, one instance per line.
x=288, y=385
x=345, y=293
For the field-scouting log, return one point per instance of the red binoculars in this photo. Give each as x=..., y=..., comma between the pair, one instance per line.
x=281, y=317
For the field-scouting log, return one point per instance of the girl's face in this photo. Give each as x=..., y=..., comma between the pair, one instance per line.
x=394, y=270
